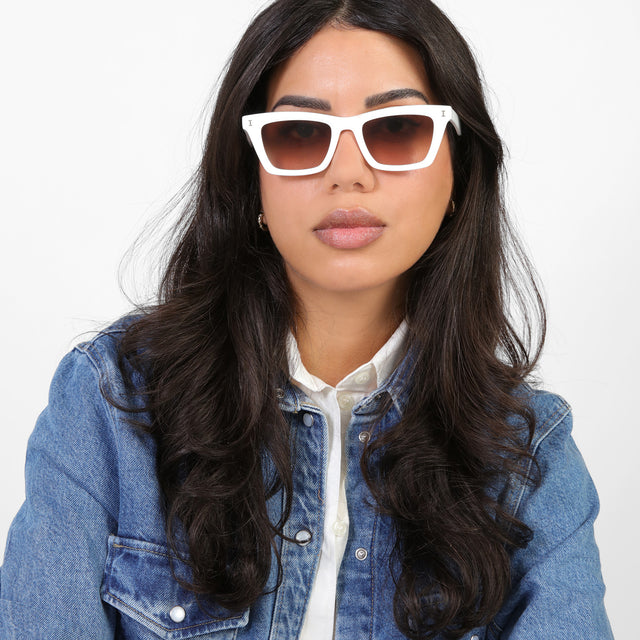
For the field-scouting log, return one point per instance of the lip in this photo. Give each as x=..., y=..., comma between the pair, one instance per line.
x=349, y=228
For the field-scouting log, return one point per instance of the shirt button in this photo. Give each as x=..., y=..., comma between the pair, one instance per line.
x=364, y=436
x=177, y=614
x=361, y=554
x=303, y=537
x=345, y=401
x=307, y=418
x=340, y=528
x=362, y=377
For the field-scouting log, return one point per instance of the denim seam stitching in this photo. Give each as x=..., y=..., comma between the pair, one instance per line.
x=157, y=624
x=323, y=470
x=83, y=351
x=157, y=553
x=373, y=546
x=554, y=420
x=99, y=364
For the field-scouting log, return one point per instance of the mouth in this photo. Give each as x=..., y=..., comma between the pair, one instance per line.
x=349, y=219
x=349, y=229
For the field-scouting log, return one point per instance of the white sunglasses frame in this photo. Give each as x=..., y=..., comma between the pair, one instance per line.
x=440, y=114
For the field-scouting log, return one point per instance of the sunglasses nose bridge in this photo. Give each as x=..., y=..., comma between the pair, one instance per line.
x=348, y=167
x=348, y=129
x=346, y=136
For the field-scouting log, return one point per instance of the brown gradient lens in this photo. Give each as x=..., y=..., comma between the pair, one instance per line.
x=403, y=139
x=296, y=144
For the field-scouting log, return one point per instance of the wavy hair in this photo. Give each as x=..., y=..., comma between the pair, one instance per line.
x=212, y=352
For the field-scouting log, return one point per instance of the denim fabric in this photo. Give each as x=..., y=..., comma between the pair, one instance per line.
x=87, y=557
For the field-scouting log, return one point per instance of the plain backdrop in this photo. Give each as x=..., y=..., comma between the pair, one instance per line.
x=101, y=122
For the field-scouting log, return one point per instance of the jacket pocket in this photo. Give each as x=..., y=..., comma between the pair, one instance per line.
x=139, y=583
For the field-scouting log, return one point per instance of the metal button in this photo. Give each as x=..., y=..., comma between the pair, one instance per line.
x=474, y=637
x=361, y=554
x=177, y=614
x=340, y=528
x=364, y=436
x=279, y=393
x=303, y=537
x=307, y=418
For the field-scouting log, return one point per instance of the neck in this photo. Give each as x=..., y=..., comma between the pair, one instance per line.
x=337, y=332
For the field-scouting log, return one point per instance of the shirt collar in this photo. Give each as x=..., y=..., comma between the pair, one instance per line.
x=365, y=378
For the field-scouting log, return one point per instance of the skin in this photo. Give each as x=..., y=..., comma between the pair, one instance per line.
x=350, y=300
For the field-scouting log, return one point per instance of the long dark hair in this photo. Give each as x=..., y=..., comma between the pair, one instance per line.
x=212, y=351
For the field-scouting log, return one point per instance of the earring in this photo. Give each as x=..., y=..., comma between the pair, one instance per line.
x=453, y=208
x=261, y=223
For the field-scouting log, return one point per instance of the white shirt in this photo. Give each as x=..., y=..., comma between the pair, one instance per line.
x=336, y=404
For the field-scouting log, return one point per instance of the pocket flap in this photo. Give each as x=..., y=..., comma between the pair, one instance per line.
x=138, y=582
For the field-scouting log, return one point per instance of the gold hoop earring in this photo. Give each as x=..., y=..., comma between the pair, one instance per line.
x=261, y=223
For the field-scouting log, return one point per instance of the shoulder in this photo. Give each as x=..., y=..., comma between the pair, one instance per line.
x=75, y=447
x=86, y=391
x=102, y=350
x=552, y=415
x=557, y=585
x=88, y=416
x=93, y=428
x=95, y=364
x=554, y=467
x=556, y=482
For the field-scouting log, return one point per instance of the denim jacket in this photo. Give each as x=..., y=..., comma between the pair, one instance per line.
x=87, y=557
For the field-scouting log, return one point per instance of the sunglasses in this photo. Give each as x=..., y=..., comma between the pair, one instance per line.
x=298, y=143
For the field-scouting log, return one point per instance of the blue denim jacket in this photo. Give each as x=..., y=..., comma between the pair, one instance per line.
x=87, y=558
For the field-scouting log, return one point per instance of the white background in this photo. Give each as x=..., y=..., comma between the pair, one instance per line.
x=101, y=122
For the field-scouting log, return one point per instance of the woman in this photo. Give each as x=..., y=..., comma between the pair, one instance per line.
x=323, y=428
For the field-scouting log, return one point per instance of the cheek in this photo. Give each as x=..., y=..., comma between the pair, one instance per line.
x=423, y=202
x=438, y=186
x=423, y=196
x=282, y=200
x=283, y=197
x=268, y=190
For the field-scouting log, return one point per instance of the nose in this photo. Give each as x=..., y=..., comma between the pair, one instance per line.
x=348, y=170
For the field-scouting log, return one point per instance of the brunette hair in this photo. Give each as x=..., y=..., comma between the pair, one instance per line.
x=212, y=352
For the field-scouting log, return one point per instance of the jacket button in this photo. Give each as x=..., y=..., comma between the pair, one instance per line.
x=303, y=537
x=177, y=614
x=361, y=554
x=364, y=436
x=475, y=637
x=307, y=418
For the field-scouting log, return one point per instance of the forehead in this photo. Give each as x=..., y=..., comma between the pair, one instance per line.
x=345, y=65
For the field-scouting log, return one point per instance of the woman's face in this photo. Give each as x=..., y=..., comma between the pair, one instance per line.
x=342, y=70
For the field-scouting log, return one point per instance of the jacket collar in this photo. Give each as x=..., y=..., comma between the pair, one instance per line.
x=293, y=400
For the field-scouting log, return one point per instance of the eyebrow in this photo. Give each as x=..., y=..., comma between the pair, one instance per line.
x=395, y=94
x=306, y=102
x=303, y=102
